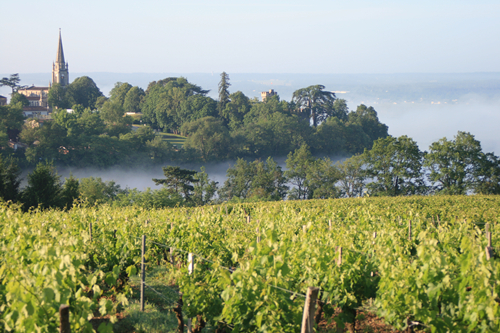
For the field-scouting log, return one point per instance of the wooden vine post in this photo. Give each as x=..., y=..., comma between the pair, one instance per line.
x=409, y=230
x=90, y=231
x=329, y=225
x=489, y=249
x=258, y=236
x=309, y=310
x=190, y=271
x=339, y=261
x=143, y=270
x=64, y=319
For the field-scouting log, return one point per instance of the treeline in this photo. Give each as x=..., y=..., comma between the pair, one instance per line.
x=393, y=167
x=99, y=133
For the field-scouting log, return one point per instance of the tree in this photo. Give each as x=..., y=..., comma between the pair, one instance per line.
x=223, y=92
x=395, y=166
x=70, y=191
x=9, y=179
x=44, y=188
x=367, y=118
x=352, y=177
x=12, y=82
x=133, y=100
x=93, y=190
x=209, y=137
x=11, y=122
x=163, y=101
x=84, y=91
x=298, y=164
x=235, y=109
x=315, y=102
x=487, y=177
x=204, y=188
x=19, y=98
x=57, y=97
x=454, y=164
x=321, y=179
x=178, y=180
x=119, y=92
x=255, y=180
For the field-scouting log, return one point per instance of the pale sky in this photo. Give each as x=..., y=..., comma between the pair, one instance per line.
x=273, y=36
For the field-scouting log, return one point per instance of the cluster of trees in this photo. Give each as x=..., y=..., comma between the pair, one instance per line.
x=393, y=167
x=237, y=126
x=99, y=133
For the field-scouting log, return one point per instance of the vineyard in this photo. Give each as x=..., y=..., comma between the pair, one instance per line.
x=420, y=263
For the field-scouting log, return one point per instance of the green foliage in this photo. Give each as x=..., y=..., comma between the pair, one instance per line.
x=178, y=180
x=57, y=97
x=95, y=191
x=9, y=179
x=12, y=82
x=83, y=91
x=454, y=164
x=208, y=137
x=19, y=98
x=395, y=165
x=254, y=181
x=315, y=103
x=224, y=98
x=44, y=188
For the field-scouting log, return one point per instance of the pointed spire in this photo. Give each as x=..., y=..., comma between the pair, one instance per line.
x=60, y=53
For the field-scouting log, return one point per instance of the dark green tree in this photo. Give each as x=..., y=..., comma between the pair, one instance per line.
x=44, y=188
x=352, y=177
x=70, y=191
x=395, y=167
x=12, y=82
x=133, y=100
x=223, y=92
x=209, y=137
x=314, y=102
x=257, y=180
x=9, y=179
x=367, y=118
x=321, y=179
x=487, y=177
x=178, y=180
x=93, y=190
x=57, y=97
x=84, y=91
x=298, y=164
x=19, y=98
x=454, y=164
x=119, y=92
x=204, y=188
x=237, y=106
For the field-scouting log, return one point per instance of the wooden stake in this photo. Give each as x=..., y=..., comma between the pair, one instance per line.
x=190, y=263
x=248, y=218
x=172, y=258
x=64, y=327
x=304, y=228
x=330, y=225
x=309, y=310
x=339, y=261
x=409, y=230
x=258, y=236
x=143, y=270
x=90, y=231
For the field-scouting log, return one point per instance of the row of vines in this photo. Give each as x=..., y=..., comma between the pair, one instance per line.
x=251, y=273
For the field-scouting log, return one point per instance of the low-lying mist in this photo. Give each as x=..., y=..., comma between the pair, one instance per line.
x=429, y=123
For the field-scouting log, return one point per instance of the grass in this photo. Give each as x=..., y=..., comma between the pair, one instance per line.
x=173, y=139
x=158, y=315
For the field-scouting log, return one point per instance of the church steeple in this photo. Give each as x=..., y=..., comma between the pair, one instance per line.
x=60, y=53
x=60, y=72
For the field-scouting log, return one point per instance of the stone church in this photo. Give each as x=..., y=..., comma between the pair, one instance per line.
x=37, y=96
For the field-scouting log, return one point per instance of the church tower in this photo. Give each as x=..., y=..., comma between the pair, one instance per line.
x=60, y=72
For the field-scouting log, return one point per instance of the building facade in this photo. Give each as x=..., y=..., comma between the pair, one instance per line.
x=266, y=94
x=38, y=96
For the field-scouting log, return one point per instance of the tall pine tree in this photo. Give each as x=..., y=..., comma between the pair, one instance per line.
x=223, y=92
